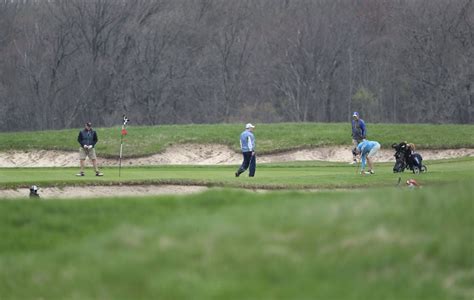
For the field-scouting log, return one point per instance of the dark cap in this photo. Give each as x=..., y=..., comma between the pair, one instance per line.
x=89, y=124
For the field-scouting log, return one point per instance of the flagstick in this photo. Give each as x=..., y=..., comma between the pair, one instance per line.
x=124, y=132
x=120, y=156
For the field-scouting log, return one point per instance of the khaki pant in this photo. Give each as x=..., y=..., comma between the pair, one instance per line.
x=374, y=151
x=355, y=143
x=84, y=153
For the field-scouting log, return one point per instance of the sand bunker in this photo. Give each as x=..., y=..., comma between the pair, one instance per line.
x=78, y=192
x=192, y=154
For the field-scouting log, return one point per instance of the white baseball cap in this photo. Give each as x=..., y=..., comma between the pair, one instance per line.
x=249, y=125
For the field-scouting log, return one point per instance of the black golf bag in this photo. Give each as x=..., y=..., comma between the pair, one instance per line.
x=406, y=158
x=400, y=157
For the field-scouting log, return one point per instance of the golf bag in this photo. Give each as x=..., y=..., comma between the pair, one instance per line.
x=407, y=158
x=400, y=157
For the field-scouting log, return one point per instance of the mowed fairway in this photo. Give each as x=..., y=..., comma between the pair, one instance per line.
x=224, y=244
x=294, y=175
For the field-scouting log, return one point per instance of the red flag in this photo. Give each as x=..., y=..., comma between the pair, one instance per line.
x=124, y=131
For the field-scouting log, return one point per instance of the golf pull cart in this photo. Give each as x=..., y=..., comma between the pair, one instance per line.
x=407, y=158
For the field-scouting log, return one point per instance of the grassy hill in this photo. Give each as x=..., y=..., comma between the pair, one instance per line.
x=224, y=244
x=270, y=137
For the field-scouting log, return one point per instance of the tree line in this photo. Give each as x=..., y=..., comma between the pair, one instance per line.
x=208, y=61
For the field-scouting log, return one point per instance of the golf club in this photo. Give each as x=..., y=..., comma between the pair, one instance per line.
x=398, y=183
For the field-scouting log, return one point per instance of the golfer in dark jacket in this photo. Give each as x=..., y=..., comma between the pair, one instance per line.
x=87, y=138
x=247, y=144
x=359, y=134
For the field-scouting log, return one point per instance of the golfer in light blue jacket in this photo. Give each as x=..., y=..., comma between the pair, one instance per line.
x=367, y=150
x=247, y=144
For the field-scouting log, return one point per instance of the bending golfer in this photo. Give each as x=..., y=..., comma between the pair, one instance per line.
x=88, y=138
x=367, y=150
x=247, y=144
x=358, y=134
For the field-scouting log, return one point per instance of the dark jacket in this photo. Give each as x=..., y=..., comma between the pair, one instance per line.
x=358, y=130
x=87, y=137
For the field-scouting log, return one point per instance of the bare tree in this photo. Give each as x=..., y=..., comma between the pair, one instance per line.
x=201, y=61
x=438, y=58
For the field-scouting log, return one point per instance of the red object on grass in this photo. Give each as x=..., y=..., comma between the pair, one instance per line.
x=124, y=131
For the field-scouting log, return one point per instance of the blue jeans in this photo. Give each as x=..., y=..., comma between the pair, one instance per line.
x=249, y=160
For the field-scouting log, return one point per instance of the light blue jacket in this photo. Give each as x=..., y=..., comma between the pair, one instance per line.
x=364, y=149
x=247, y=141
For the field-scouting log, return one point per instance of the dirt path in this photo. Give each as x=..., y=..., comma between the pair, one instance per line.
x=192, y=154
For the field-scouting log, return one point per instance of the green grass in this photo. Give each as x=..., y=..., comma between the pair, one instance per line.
x=370, y=240
x=270, y=137
x=224, y=244
x=297, y=175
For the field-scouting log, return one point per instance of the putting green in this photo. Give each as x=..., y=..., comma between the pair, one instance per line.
x=297, y=175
